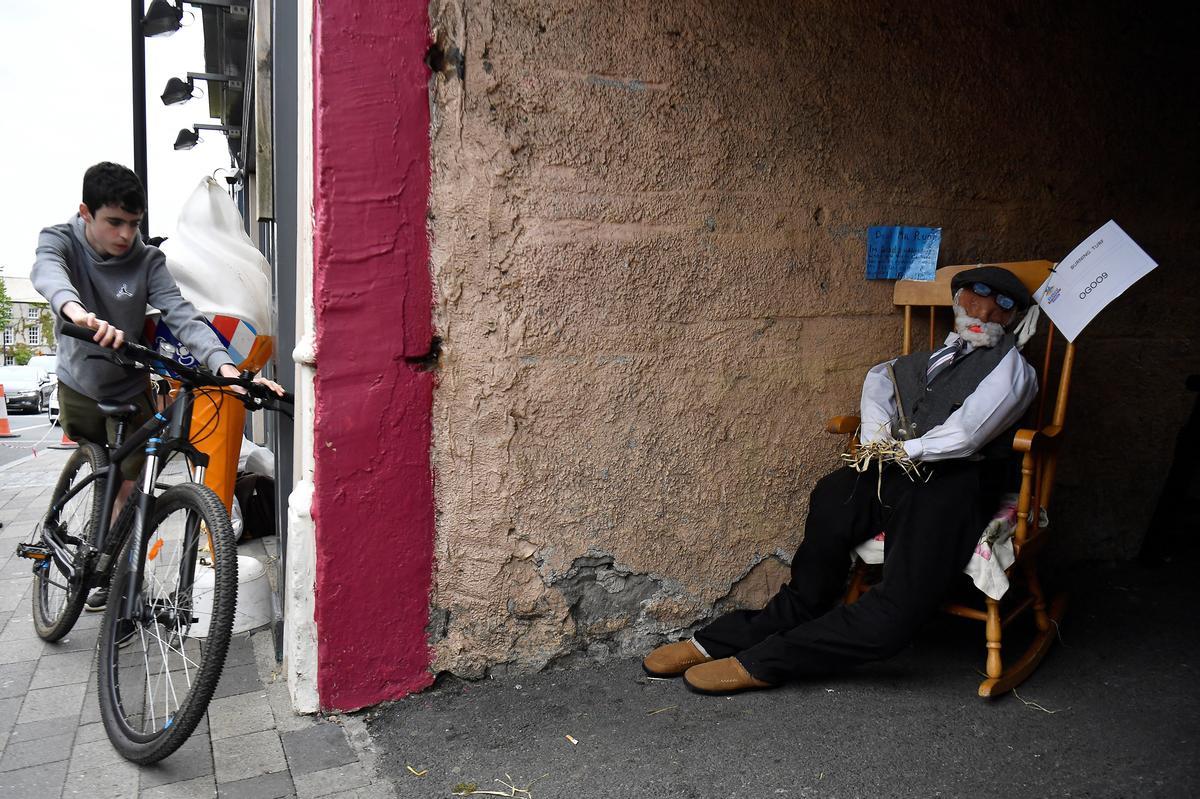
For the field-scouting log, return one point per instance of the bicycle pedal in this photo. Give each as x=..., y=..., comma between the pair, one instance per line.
x=33, y=552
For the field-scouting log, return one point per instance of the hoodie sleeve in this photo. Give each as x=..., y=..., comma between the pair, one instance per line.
x=181, y=316
x=50, y=274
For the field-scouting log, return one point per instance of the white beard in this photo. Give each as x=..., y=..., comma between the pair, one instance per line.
x=987, y=334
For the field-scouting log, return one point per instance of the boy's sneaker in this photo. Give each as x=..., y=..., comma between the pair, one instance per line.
x=97, y=600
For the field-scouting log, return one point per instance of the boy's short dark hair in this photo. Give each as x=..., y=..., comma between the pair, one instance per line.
x=107, y=183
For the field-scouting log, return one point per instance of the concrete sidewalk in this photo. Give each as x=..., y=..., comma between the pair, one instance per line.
x=52, y=743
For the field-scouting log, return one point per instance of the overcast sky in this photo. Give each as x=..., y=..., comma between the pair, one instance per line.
x=65, y=87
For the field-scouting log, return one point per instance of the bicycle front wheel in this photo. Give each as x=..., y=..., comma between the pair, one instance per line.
x=57, y=598
x=158, y=670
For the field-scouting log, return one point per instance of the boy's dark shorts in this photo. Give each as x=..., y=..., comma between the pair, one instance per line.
x=81, y=419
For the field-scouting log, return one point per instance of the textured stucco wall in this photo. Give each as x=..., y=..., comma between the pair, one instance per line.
x=648, y=227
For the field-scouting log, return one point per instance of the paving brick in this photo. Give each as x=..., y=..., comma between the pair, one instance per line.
x=15, y=678
x=62, y=669
x=246, y=756
x=21, y=754
x=267, y=786
x=238, y=715
x=12, y=593
x=241, y=651
x=9, y=709
x=199, y=788
x=317, y=748
x=45, y=728
x=94, y=754
x=51, y=703
x=373, y=791
x=90, y=712
x=238, y=680
x=89, y=620
x=286, y=719
x=193, y=759
x=331, y=780
x=113, y=781
x=87, y=733
x=18, y=651
x=18, y=625
x=35, y=781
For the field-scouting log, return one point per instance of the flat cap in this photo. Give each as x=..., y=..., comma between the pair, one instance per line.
x=998, y=279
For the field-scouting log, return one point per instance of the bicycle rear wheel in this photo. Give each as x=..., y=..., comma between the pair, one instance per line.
x=158, y=671
x=58, y=599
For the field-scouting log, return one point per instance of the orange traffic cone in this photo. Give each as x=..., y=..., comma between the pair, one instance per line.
x=5, y=429
x=66, y=443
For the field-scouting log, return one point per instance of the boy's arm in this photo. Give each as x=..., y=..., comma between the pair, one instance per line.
x=50, y=274
x=185, y=321
x=52, y=278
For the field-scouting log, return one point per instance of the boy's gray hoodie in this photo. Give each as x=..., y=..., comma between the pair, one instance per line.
x=117, y=290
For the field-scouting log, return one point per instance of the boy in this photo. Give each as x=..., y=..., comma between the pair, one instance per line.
x=95, y=271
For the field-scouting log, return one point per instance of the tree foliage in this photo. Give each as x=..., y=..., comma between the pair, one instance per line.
x=5, y=307
x=21, y=353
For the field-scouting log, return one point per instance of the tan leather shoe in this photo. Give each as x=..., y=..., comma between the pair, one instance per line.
x=724, y=676
x=672, y=660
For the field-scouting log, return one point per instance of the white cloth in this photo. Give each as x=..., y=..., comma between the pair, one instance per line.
x=996, y=404
x=992, y=556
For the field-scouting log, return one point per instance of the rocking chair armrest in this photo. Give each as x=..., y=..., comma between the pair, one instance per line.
x=1027, y=440
x=843, y=425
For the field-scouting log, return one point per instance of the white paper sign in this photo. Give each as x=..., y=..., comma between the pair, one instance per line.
x=1093, y=275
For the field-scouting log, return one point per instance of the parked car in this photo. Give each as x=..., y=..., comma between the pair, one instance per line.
x=47, y=363
x=52, y=406
x=26, y=387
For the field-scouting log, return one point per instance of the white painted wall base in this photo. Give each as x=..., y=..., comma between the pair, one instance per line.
x=300, y=627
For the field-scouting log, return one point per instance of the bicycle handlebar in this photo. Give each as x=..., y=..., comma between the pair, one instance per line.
x=257, y=396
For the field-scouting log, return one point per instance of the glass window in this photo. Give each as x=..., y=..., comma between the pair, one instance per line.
x=33, y=335
x=9, y=335
x=32, y=313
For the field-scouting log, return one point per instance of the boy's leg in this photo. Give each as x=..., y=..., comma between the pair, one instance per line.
x=82, y=420
x=843, y=512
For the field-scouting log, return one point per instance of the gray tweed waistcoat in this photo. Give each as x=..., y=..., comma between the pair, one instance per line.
x=929, y=405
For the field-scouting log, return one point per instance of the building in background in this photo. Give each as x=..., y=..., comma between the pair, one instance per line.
x=30, y=329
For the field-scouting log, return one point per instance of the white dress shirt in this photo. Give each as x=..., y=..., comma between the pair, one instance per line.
x=995, y=405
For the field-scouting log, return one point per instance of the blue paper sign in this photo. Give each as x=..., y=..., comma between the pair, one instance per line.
x=908, y=253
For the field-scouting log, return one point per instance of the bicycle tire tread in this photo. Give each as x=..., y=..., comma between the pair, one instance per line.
x=64, y=621
x=192, y=709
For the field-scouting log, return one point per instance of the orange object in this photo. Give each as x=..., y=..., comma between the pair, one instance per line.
x=66, y=443
x=153, y=553
x=5, y=428
x=217, y=422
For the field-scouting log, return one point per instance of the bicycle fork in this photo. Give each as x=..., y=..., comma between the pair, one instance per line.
x=131, y=591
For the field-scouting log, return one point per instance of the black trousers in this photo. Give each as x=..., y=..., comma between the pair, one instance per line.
x=932, y=528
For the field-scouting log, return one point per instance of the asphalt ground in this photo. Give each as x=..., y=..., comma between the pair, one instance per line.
x=33, y=432
x=1113, y=711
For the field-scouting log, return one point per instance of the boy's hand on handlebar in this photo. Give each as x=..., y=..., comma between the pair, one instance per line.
x=229, y=370
x=107, y=335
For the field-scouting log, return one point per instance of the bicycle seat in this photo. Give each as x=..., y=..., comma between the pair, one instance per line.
x=116, y=409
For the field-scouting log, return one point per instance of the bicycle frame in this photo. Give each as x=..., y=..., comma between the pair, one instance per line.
x=176, y=424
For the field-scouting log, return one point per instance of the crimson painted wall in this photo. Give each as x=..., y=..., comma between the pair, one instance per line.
x=373, y=502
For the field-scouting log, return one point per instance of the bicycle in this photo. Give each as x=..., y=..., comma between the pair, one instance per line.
x=169, y=561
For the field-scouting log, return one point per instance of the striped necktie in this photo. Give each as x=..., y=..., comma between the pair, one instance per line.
x=941, y=359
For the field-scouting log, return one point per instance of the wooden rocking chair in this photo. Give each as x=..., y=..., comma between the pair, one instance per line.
x=1038, y=441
